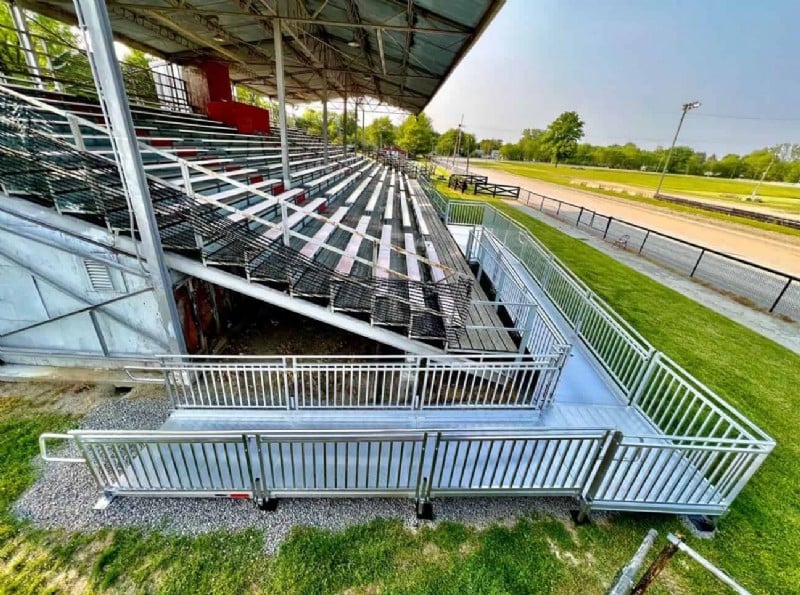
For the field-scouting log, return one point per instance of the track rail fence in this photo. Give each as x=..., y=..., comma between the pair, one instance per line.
x=765, y=288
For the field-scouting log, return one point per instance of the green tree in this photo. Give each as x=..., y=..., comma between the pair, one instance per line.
x=562, y=136
x=487, y=145
x=246, y=95
x=757, y=162
x=729, y=166
x=310, y=121
x=446, y=143
x=416, y=135
x=531, y=145
x=50, y=39
x=511, y=151
x=138, y=77
x=381, y=132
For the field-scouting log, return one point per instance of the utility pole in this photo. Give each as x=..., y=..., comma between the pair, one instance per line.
x=469, y=150
x=686, y=107
x=458, y=139
x=763, y=176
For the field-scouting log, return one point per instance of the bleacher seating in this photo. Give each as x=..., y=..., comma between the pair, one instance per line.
x=244, y=189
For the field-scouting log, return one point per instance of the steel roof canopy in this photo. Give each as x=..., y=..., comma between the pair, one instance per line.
x=398, y=51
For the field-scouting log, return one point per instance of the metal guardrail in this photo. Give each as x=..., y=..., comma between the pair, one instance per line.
x=701, y=450
x=361, y=463
x=769, y=289
x=543, y=464
x=621, y=350
x=599, y=467
x=755, y=215
x=366, y=382
x=511, y=292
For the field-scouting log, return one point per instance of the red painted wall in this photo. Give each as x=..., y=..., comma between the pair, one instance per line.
x=247, y=119
x=219, y=81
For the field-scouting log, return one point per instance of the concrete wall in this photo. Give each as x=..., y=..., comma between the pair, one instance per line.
x=51, y=307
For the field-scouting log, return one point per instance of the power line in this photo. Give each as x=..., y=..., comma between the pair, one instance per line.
x=733, y=117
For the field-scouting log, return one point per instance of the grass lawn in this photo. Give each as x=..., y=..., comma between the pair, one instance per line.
x=758, y=542
x=783, y=197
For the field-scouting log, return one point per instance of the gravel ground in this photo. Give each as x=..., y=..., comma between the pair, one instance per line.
x=64, y=495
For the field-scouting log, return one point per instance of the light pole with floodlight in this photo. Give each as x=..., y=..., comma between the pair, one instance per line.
x=686, y=107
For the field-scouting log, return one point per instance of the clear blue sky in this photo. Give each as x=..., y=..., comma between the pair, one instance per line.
x=627, y=66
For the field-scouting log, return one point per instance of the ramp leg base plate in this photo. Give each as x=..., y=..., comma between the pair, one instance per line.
x=103, y=502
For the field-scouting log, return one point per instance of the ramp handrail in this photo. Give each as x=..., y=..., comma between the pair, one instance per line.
x=46, y=456
x=371, y=382
x=600, y=467
x=673, y=400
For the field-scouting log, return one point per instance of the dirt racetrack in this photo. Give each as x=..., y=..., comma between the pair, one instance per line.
x=774, y=250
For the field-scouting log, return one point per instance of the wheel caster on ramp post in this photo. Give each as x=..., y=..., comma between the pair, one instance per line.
x=581, y=516
x=425, y=510
x=103, y=502
x=268, y=504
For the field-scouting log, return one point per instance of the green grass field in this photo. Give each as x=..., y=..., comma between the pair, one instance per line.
x=778, y=196
x=758, y=542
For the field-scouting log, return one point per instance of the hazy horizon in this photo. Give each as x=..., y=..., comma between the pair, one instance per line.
x=626, y=67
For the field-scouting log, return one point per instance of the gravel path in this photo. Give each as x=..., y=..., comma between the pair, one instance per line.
x=63, y=497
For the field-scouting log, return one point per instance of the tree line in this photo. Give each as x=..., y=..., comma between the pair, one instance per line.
x=560, y=143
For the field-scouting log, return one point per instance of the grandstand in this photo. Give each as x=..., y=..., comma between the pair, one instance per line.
x=126, y=221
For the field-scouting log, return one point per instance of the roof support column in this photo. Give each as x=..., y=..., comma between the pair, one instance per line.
x=363, y=128
x=24, y=35
x=278, y=34
x=325, y=120
x=93, y=21
x=344, y=126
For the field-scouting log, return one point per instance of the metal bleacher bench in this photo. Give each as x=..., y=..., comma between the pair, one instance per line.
x=345, y=264
x=211, y=177
x=423, y=227
x=294, y=219
x=266, y=204
x=359, y=190
x=405, y=215
x=388, y=213
x=373, y=200
x=313, y=246
x=334, y=191
x=436, y=272
x=239, y=192
x=384, y=253
x=412, y=263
